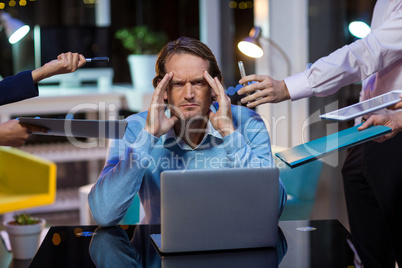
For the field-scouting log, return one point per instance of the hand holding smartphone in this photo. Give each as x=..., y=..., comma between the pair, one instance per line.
x=243, y=73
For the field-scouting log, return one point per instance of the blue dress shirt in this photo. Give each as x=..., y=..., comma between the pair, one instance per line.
x=134, y=164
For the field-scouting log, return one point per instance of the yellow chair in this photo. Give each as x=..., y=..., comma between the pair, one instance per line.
x=26, y=180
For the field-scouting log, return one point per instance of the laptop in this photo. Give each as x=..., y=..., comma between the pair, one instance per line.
x=206, y=210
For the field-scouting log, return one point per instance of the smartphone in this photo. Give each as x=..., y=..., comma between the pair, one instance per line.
x=242, y=70
x=364, y=107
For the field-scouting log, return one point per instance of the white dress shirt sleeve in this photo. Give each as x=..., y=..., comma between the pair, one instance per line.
x=351, y=63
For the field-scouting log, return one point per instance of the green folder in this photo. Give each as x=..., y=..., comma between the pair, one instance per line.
x=315, y=149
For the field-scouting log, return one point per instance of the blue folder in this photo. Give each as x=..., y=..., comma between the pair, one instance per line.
x=312, y=150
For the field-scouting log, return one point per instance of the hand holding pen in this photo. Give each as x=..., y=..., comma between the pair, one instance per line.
x=65, y=63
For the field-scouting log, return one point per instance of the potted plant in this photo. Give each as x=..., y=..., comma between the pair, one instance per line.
x=24, y=234
x=144, y=45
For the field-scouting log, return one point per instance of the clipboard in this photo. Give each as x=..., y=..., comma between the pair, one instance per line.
x=79, y=128
x=307, y=152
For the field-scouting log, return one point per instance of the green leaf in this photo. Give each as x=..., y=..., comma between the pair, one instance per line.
x=141, y=40
x=24, y=219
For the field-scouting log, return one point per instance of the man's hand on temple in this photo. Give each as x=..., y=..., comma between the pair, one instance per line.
x=221, y=120
x=267, y=90
x=157, y=122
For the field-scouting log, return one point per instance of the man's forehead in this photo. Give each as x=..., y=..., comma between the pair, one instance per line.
x=183, y=60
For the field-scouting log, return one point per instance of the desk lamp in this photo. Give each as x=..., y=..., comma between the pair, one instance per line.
x=15, y=29
x=251, y=47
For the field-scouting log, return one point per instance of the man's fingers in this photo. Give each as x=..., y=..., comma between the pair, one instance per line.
x=82, y=61
x=75, y=60
x=174, y=119
x=257, y=98
x=246, y=89
x=221, y=90
x=69, y=57
x=258, y=102
x=366, y=124
x=61, y=57
x=250, y=78
x=33, y=128
x=396, y=106
x=162, y=86
x=212, y=83
x=37, y=129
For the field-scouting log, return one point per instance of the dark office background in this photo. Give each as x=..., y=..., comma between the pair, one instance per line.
x=328, y=20
x=175, y=17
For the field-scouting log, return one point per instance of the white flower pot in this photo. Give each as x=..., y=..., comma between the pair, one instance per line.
x=24, y=239
x=142, y=68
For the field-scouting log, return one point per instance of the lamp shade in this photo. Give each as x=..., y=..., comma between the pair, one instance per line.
x=250, y=46
x=15, y=29
x=359, y=29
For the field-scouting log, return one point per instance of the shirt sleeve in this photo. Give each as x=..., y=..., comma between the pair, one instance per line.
x=17, y=87
x=351, y=63
x=120, y=179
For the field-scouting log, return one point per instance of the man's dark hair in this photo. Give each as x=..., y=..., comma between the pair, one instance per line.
x=186, y=45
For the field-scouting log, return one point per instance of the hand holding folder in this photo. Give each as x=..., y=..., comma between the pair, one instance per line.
x=321, y=147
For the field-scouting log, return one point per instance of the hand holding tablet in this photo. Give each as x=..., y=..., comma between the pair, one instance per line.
x=364, y=107
x=109, y=129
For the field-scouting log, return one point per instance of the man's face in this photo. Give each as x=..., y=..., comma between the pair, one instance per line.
x=188, y=91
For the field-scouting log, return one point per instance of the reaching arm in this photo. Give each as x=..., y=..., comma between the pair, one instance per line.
x=65, y=63
x=349, y=64
x=23, y=85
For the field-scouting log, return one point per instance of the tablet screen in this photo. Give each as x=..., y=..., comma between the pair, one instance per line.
x=364, y=107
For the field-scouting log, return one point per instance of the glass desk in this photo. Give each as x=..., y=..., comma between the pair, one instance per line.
x=319, y=243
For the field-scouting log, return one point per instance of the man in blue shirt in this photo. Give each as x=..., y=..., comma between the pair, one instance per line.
x=189, y=132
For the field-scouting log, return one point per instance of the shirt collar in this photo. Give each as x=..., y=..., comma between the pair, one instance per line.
x=171, y=135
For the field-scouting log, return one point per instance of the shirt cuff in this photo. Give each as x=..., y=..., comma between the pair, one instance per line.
x=298, y=86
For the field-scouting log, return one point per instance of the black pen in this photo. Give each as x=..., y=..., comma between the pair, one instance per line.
x=97, y=59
